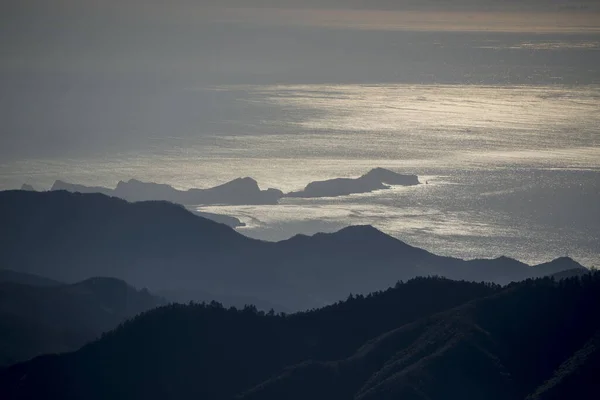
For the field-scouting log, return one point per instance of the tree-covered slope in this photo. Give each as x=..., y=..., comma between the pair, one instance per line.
x=429, y=338
x=207, y=351
x=533, y=337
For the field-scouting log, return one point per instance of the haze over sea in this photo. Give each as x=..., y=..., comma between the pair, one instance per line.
x=504, y=127
x=521, y=179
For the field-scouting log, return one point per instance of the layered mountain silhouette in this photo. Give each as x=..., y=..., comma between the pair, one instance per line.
x=375, y=179
x=223, y=219
x=162, y=246
x=569, y=273
x=429, y=338
x=38, y=315
x=504, y=346
x=235, y=192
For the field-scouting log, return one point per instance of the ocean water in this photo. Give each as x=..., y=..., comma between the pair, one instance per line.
x=511, y=170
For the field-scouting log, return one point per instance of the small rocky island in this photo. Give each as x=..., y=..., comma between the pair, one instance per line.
x=240, y=191
x=375, y=179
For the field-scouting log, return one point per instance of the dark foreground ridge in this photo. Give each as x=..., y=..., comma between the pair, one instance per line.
x=162, y=246
x=40, y=316
x=375, y=179
x=429, y=338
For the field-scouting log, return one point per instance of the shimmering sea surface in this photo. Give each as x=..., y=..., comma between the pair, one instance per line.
x=511, y=170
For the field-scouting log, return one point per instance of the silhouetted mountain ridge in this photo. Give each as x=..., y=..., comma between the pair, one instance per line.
x=162, y=246
x=365, y=235
x=204, y=340
x=570, y=273
x=557, y=265
x=429, y=338
x=487, y=348
x=242, y=191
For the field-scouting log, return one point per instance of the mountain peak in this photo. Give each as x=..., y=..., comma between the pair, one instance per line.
x=506, y=258
x=366, y=235
x=360, y=230
x=378, y=170
x=565, y=259
x=376, y=179
x=246, y=181
x=383, y=175
x=559, y=264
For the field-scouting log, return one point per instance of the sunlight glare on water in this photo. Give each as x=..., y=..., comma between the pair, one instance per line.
x=482, y=147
